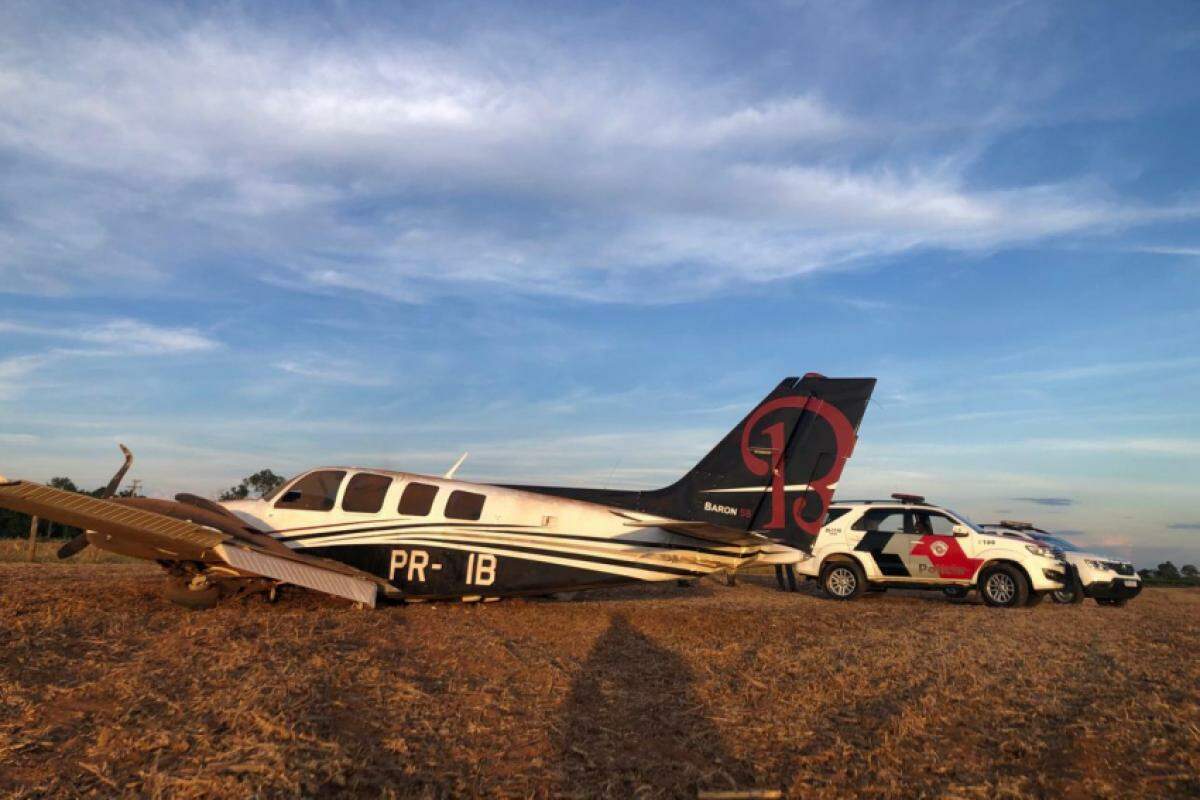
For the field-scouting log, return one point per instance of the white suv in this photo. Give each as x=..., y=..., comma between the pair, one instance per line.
x=1109, y=581
x=906, y=542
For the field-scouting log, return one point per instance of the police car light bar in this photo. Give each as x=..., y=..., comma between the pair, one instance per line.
x=908, y=498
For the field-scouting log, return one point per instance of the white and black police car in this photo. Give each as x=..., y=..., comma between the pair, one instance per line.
x=907, y=543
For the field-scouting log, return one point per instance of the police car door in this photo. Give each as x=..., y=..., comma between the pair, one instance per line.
x=935, y=543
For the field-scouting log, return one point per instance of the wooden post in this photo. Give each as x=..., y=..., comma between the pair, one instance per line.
x=33, y=526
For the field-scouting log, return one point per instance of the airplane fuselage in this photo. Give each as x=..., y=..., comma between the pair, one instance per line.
x=476, y=540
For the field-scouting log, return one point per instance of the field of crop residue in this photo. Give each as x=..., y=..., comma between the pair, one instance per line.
x=649, y=692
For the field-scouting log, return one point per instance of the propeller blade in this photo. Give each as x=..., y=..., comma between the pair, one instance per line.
x=115, y=483
x=73, y=546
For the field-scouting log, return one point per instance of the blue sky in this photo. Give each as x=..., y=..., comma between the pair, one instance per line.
x=581, y=240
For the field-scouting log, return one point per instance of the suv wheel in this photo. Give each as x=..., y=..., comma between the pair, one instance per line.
x=843, y=580
x=1072, y=591
x=1003, y=586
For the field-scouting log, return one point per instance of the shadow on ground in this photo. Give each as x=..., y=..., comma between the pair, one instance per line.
x=631, y=725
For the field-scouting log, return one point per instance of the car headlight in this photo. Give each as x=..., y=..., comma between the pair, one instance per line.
x=1100, y=565
x=1040, y=550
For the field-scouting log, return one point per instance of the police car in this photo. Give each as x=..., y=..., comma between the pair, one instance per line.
x=1109, y=581
x=906, y=542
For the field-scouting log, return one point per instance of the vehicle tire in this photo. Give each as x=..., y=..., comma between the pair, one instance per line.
x=843, y=580
x=1112, y=601
x=1003, y=586
x=181, y=593
x=955, y=592
x=1035, y=599
x=1072, y=592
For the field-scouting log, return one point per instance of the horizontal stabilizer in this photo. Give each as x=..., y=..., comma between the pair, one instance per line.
x=698, y=530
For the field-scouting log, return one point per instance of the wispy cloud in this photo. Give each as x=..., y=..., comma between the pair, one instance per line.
x=334, y=372
x=1056, y=502
x=615, y=177
x=122, y=337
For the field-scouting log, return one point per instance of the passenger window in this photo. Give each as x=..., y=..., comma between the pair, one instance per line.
x=464, y=505
x=365, y=493
x=881, y=519
x=417, y=499
x=937, y=524
x=316, y=491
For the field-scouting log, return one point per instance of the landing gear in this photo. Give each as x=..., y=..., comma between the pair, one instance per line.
x=195, y=593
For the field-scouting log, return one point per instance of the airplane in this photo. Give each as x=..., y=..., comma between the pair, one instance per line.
x=760, y=495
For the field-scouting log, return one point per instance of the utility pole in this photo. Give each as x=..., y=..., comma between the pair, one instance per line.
x=33, y=526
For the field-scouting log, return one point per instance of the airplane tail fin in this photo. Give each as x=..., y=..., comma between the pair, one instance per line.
x=777, y=470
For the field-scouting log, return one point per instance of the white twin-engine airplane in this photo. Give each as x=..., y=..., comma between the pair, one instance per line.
x=760, y=495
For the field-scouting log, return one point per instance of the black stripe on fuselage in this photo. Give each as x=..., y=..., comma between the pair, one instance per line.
x=512, y=530
x=516, y=550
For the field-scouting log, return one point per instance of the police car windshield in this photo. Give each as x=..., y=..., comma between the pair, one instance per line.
x=965, y=520
x=1054, y=541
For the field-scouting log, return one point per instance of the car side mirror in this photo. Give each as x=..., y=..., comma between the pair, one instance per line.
x=961, y=530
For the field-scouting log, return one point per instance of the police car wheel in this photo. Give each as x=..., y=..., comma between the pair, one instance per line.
x=1003, y=586
x=843, y=580
x=1110, y=601
x=1066, y=597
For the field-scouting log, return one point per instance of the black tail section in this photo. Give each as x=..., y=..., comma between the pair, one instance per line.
x=775, y=472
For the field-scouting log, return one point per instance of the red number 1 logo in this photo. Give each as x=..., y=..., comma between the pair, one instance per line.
x=777, y=466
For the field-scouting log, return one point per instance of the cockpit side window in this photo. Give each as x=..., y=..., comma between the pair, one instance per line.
x=316, y=491
x=417, y=499
x=365, y=493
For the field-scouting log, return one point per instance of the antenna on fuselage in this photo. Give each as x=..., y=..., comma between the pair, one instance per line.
x=450, y=472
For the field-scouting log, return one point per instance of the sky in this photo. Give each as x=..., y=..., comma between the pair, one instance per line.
x=581, y=241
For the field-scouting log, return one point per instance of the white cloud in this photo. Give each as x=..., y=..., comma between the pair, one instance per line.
x=332, y=370
x=410, y=167
x=122, y=337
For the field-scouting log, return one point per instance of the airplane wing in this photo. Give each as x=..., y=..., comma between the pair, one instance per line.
x=164, y=538
x=698, y=530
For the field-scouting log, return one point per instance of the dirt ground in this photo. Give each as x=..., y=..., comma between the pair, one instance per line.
x=649, y=692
